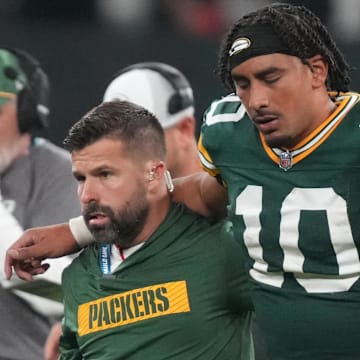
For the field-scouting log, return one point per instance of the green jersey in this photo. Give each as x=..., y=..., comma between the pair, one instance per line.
x=297, y=213
x=181, y=296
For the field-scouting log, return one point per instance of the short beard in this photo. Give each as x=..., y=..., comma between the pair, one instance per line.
x=280, y=142
x=124, y=225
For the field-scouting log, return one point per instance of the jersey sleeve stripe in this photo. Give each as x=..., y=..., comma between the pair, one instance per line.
x=205, y=159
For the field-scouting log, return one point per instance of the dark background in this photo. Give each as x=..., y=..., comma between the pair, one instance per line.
x=81, y=50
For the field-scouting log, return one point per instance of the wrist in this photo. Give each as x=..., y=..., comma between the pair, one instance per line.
x=80, y=231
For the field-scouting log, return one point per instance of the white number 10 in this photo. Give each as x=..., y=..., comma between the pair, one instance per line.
x=249, y=205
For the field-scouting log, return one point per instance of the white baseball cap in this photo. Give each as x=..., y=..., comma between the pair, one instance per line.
x=159, y=88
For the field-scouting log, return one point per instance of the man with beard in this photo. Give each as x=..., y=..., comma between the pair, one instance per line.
x=166, y=92
x=160, y=282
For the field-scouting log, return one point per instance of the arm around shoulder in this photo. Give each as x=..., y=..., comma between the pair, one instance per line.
x=201, y=193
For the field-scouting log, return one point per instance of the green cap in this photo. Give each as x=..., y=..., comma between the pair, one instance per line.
x=12, y=77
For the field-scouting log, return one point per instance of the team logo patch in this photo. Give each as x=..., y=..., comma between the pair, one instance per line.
x=285, y=161
x=238, y=45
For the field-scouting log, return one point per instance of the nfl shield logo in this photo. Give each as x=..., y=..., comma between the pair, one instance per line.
x=285, y=160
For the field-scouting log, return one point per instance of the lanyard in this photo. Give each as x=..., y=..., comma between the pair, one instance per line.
x=104, y=258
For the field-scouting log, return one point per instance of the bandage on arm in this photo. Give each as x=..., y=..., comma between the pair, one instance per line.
x=80, y=231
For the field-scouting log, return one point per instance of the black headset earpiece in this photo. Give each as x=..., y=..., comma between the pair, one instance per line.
x=182, y=98
x=33, y=98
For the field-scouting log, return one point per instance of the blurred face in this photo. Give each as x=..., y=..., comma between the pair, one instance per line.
x=181, y=145
x=12, y=143
x=277, y=92
x=172, y=139
x=112, y=192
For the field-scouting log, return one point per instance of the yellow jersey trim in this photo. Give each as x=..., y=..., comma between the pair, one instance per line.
x=345, y=103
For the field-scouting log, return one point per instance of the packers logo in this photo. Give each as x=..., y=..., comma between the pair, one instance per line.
x=133, y=306
x=238, y=45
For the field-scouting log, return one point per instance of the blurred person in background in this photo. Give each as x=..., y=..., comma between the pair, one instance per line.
x=36, y=187
x=164, y=91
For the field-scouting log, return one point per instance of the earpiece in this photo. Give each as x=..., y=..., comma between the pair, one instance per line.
x=168, y=181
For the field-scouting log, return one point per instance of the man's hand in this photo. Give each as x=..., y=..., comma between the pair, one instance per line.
x=26, y=255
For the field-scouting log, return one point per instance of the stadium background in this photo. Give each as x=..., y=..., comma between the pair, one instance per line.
x=82, y=43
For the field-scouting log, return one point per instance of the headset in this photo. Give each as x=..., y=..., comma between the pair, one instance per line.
x=182, y=98
x=33, y=98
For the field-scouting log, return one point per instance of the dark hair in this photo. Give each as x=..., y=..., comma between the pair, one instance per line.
x=301, y=31
x=136, y=127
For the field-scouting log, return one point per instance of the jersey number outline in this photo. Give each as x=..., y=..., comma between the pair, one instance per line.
x=249, y=205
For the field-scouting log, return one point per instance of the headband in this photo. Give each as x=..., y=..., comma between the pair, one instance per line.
x=255, y=40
